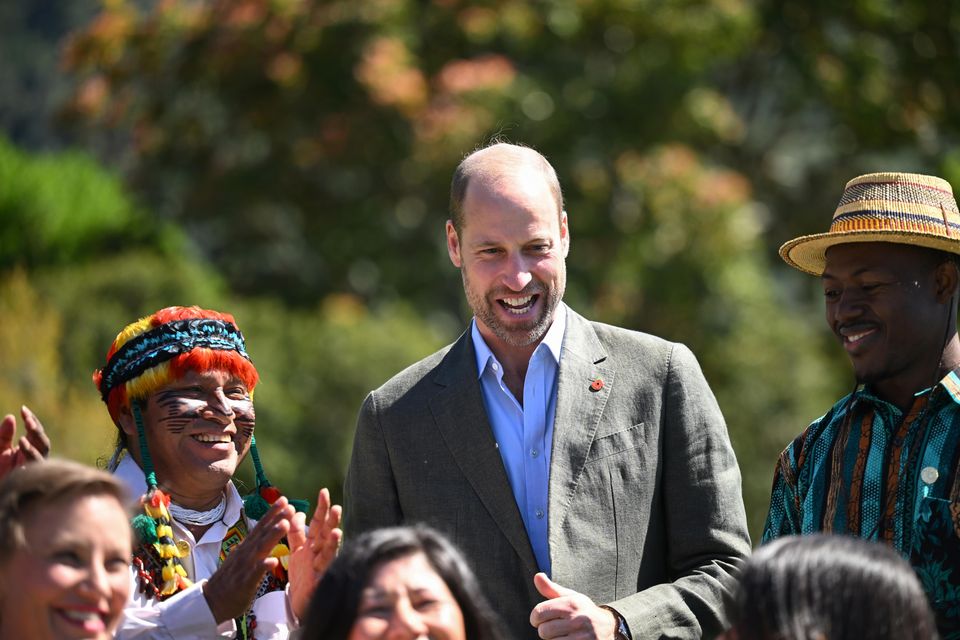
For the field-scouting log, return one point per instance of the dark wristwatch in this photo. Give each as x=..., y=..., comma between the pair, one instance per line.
x=622, y=631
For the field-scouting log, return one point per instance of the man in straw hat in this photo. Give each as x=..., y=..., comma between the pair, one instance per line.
x=884, y=462
x=179, y=386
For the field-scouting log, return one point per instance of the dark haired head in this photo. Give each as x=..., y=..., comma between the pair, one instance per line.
x=333, y=608
x=819, y=587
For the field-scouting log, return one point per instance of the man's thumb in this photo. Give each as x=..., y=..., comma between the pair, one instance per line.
x=548, y=588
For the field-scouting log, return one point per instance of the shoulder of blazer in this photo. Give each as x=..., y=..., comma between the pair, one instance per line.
x=427, y=373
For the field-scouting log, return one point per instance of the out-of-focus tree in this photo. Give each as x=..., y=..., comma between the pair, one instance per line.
x=31, y=85
x=63, y=208
x=31, y=350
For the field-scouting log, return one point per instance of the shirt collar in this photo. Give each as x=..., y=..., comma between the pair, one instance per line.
x=552, y=341
x=950, y=384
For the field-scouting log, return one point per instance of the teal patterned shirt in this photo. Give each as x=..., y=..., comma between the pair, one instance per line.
x=868, y=470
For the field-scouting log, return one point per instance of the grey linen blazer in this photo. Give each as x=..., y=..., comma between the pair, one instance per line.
x=645, y=506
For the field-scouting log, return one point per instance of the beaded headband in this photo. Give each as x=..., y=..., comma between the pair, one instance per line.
x=162, y=343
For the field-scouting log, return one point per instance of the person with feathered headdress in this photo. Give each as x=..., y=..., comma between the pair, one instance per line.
x=179, y=386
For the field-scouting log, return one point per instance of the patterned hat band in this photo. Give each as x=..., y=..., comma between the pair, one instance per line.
x=902, y=208
x=162, y=343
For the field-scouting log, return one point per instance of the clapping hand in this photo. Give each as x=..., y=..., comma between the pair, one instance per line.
x=313, y=551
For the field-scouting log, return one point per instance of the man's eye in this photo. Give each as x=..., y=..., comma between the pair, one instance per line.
x=831, y=294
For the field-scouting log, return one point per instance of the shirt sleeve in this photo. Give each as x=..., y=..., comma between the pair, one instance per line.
x=783, y=518
x=185, y=616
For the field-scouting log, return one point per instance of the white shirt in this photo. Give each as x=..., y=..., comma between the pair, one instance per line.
x=186, y=615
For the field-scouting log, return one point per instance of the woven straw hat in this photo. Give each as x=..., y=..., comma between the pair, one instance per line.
x=904, y=208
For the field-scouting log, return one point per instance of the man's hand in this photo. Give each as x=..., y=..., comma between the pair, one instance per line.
x=311, y=553
x=32, y=446
x=230, y=590
x=569, y=614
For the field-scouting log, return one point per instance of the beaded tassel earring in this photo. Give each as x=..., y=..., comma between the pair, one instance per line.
x=153, y=526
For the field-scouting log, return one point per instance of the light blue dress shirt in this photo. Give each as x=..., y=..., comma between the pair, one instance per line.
x=524, y=434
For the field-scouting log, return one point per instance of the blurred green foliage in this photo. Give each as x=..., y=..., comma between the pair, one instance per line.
x=291, y=161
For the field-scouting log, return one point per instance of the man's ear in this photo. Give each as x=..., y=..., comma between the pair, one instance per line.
x=947, y=280
x=453, y=245
x=564, y=233
x=126, y=421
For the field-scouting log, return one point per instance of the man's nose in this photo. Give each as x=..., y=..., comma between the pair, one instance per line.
x=849, y=305
x=517, y=274
x=218, y=407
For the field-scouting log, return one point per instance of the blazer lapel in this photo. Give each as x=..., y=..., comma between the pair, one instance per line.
x=583, y=386
x=462, y=419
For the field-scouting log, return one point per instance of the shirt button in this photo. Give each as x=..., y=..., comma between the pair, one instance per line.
x=929, y=475
x=539, y=514
x=495, y=366
x=534, y=453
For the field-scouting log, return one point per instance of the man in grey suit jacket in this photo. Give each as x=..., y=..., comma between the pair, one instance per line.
x=584, y=470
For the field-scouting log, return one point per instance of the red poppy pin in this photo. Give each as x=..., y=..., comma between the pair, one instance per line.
x=597, y=384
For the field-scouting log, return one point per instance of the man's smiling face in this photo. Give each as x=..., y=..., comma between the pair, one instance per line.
x=883, y=302
x=511, y=252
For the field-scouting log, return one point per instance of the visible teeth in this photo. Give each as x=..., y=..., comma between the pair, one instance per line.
x=203, y=437
x=857, y=336
x=517, y=305
x=81, y=616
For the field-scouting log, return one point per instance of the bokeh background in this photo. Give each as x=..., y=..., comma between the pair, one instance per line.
x=289, y=161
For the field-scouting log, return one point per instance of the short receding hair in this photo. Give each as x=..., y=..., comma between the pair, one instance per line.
x=495, y=162
x=40, y=484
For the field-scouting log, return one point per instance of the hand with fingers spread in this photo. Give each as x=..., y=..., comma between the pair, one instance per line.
x=230, y=591
x=569, y=614
x=31, y=447
x=312, y=552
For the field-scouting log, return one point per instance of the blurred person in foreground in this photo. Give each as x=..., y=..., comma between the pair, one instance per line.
x=884, y=462
x=65, y=548
x=400, y=583
x=829, y=587
x=584, y=470
x=206, y=563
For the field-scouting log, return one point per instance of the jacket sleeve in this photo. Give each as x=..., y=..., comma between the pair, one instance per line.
x=370, y=496
x=706, y=525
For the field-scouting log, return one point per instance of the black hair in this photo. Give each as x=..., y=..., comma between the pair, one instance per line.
x=334, y=605
x=829, y=586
